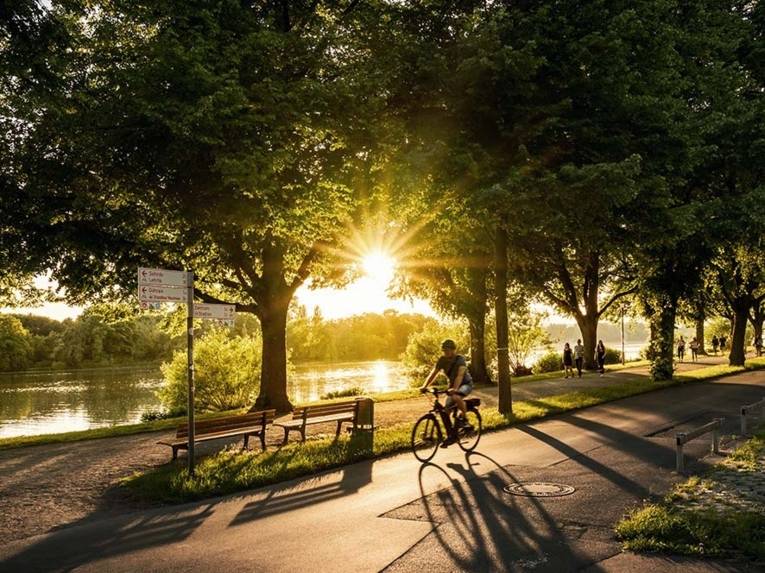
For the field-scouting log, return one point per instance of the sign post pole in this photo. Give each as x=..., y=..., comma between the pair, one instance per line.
x=190, y=371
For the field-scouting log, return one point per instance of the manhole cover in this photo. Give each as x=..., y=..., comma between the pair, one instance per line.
x=539, y=489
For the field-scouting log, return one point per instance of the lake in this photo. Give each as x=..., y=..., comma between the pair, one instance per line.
x=33, y=403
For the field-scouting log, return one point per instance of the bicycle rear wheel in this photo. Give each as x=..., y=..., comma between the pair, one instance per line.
x=468, y=438
x=426, y=435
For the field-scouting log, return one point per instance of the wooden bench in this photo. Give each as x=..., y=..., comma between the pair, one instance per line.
x=338, y=412
x=251, y=424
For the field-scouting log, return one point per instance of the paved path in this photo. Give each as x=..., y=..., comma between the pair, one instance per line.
x=398, y=515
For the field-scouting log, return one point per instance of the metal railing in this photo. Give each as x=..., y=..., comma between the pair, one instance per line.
x=745, y=414
x=683, y=438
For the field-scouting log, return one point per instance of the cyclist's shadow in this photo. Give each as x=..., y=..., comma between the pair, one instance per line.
x=480, y=527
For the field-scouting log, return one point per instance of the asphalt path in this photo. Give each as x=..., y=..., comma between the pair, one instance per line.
x=396, y=514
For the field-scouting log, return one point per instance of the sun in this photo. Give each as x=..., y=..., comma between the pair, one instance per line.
x=379, y=266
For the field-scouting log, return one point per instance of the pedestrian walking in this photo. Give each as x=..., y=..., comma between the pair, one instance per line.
x=723, y=343
x=579, y=357
x=715, y=344
x=681, y=348
x=694, y=349
x=568, y=360
x=600, y=353
x=758, y=344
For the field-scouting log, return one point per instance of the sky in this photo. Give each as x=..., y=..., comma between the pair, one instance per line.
x=366, y=294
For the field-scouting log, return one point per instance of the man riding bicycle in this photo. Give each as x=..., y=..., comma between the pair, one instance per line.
x=454, y=366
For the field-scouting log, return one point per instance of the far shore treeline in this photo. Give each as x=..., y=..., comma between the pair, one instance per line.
x=109, y=335
x=605, y=158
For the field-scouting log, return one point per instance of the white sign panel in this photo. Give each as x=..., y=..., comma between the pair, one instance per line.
x=214, y=311
x=162, y=277
x=162, y=294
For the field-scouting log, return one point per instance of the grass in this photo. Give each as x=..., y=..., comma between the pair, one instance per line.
x=671, y=528
x=230, y=471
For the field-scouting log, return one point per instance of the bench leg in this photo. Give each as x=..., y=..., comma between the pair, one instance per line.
x=286, y=436
x=262, y=437
x=302, y=434
x=246, y=445
x=339, y=428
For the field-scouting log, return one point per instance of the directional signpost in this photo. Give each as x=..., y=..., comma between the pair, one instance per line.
x=157, y=286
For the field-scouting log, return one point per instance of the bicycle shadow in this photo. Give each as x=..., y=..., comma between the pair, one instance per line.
x=481, y=528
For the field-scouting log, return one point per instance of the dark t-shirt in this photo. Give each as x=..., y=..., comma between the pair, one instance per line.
x=451, y=366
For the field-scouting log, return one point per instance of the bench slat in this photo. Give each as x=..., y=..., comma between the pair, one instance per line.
x=315, y=420
x=313, y=411
x=228, y=423
x=213, y=436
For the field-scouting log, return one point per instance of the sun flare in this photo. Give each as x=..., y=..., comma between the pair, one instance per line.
x=379, y=266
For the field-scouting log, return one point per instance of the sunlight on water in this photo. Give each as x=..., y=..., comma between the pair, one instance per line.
x=382, y=377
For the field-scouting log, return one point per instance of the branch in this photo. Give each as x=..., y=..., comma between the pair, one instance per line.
x=616, y=297
x=253, y=308
x=305, y=267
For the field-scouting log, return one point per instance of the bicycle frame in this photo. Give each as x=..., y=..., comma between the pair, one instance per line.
x=443, y=412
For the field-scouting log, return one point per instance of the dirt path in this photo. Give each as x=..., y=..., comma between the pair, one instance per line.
x=54, y=485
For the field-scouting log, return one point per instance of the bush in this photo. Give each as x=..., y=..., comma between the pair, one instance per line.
x=613, y=356
x=424, y=347
x=551, y=361
x=154, y=415
x=345, y=393
x=227, y=373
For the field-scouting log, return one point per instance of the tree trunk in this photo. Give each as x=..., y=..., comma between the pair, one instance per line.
x=273, y=376
x=700, y=334
x=500, y=306
x=478, y=368
x=661, y=313
x=737, y=355
x=588, y=326
x=757, y=318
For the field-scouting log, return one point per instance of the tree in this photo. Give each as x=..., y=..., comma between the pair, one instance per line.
x=225, y=137
x=15, y=344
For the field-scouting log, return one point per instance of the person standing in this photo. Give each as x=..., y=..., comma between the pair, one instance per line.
x=723, y=343
x=715, y=344
x=568, y=360
x=681, y=348
x=694, y=349
x=579, y=357
x=758, y=345
x=600, y=353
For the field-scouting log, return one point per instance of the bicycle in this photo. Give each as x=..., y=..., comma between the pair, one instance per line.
x=427, y=434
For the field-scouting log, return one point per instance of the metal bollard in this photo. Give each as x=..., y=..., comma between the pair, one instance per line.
x=680, y=465
x=743, y=421
x=716, y=440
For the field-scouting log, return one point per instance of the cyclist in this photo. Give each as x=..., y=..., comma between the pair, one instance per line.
x=454, y=366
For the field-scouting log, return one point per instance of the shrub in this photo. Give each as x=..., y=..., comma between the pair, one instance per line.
x=424, y=347
x=227, y=373
x=551, y=361
x=344, y=393
x=613, y=356
x=154, y=415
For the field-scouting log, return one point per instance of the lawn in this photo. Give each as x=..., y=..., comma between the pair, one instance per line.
x=230, y=471
x=711, y=516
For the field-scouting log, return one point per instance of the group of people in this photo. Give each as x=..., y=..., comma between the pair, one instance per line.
x=574, y=357
x=695, y=346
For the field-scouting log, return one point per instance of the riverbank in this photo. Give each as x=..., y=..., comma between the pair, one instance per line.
x=51, y=485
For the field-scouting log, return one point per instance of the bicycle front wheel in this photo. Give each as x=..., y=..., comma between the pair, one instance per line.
x=426, y=435
x=470, y=434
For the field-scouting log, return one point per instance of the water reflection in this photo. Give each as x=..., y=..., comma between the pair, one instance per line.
x=47, y=402
x=311, y=381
